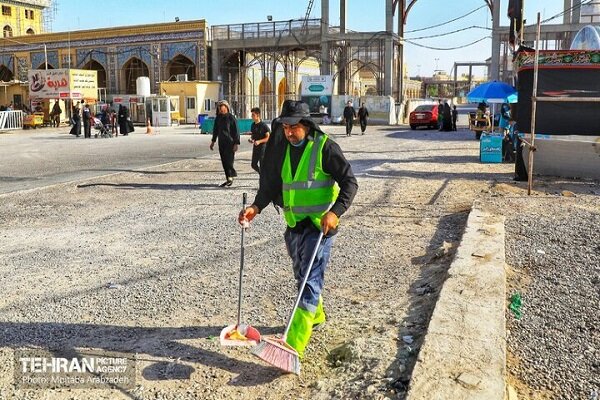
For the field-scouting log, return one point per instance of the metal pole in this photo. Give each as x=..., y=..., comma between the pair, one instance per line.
x=536, y=68
x=46, y=56
x=522, y=21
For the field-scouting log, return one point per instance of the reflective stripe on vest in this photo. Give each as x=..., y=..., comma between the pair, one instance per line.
x=311, y=192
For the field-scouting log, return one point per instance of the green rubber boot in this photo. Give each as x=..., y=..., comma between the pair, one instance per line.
x=300, y=330
x=319, y=314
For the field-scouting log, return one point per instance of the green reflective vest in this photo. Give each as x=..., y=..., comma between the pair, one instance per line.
x=311, y=192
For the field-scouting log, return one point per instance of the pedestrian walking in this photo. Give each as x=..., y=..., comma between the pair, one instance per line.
x=260, y=133
x=310, y=178
x=440, y=115
x=226, y=131
x=349, y=115
x=86, y=116
x=55, y=114
x=363, y=115
x=454, y=117
x=76, y=118
x=122, y=119
x=447, y=117
x=112, y=119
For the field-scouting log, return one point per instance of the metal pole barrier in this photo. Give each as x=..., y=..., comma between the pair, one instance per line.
x=536, y=68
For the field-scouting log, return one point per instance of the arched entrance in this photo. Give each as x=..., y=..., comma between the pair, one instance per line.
x=266, y=98
x=7, y=31
x=30, y=31
x=282, y=91
x=5, y=74
x=181, y=65
x=96, y=66
x=133, y=69
x=43, y=66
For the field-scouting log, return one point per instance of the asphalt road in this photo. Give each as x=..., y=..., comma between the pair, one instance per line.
x=31, y=159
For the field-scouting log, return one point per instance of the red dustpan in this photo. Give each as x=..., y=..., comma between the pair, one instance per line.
x=240, y=334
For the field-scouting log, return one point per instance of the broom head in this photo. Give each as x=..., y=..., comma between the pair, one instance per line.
x=278, y=353
x=239, y=335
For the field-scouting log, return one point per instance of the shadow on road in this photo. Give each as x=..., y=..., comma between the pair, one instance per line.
x=145, y=172
x=163, y=186
x=154, y=342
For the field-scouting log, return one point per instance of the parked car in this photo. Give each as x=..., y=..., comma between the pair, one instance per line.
x=424, y=115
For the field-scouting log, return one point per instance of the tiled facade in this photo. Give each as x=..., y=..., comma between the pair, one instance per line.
x=113, y=48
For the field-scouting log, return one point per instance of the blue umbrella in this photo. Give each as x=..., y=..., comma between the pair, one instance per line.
x=493, y=92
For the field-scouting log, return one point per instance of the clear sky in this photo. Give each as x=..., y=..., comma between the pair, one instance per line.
x=363, y=15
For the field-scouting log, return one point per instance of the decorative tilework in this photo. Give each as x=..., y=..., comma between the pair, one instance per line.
x=66, y=61
x=169, y=51
x=7, y=61
x=100, y=42
x=38, y=59
x=23, y=68
x=97, y=54
x=142, y=52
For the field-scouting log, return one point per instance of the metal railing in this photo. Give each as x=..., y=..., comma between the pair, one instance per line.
x=11, y=120
x=270, y=105
x=261, y=30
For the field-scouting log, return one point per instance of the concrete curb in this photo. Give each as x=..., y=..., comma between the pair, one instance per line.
x=464, y=352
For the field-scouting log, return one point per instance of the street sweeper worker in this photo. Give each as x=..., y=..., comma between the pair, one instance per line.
x=309, y=172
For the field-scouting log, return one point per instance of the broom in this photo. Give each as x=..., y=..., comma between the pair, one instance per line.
x=275, y=350
x=240, y=334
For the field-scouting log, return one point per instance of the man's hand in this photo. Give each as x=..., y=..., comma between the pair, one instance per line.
x=329, y=221
x=235, y=147
x=247, y=215
x=212, y=145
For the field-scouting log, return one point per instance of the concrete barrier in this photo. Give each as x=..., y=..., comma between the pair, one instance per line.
x=464, y=352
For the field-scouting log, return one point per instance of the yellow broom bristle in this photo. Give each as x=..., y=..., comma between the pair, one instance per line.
x=279, y=354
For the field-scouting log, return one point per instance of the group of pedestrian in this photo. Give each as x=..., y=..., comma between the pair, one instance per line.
x=9, y=107
x=350, y=115
x=107, y=116
x=225, y=132
x=447, y=116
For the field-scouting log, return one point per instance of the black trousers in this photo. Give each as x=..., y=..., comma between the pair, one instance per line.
x=87, y=129
x=227, y=158
x=349, y=126
x=363, y=125
x=258, y=152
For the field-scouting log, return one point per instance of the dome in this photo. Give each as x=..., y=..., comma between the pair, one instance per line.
x=588, y=38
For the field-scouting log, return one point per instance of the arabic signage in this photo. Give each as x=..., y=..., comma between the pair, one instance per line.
x=321, y=85
x=490, y=149
x=63, y=84
x=316, y=92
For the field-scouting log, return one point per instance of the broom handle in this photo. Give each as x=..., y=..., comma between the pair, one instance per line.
x=310, y=265
x=239, y=317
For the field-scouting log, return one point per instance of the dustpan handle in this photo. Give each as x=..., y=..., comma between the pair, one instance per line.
x=310, y=265
x=239, y=315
